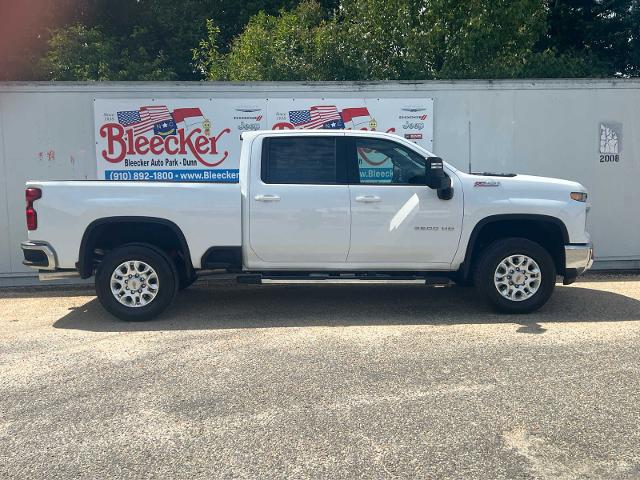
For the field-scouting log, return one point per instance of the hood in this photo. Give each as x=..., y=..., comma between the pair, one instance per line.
x=529, y=181
x=544, y=182
x=519, y=187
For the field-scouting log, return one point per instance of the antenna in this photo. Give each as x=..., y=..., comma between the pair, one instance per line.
x=469, y=145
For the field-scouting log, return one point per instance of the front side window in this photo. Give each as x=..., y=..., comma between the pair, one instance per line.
x=299, y=160
x=386, y=162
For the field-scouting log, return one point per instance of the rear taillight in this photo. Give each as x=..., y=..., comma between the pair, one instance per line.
x=31, y=195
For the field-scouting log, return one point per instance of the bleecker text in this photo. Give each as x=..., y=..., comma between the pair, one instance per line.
x=121, y=142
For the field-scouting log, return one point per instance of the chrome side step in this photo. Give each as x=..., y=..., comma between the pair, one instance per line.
x=55, y=275
x=303, y=277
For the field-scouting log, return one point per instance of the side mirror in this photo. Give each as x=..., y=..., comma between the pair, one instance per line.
x=436, y=178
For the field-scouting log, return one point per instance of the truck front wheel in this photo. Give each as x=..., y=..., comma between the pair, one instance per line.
x=516, y=275
x=136, y=282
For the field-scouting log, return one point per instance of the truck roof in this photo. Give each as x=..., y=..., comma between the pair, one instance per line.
x=368, y=133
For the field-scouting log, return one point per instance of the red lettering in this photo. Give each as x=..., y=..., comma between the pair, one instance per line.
x=174, y=140
x=214, y=149
x=121, y=143
x=283, y=126
x=114, y=134
x=142, y=144
x=201, y=145
x=130, y=148
x=185, y=142
x=156, y=145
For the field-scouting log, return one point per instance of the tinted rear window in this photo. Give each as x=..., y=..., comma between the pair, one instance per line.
x=300, y=160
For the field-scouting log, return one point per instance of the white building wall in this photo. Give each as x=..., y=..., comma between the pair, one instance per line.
x=548, y=127
x=6, y=253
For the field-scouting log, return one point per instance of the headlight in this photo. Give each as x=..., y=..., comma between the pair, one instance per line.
x=579, y=196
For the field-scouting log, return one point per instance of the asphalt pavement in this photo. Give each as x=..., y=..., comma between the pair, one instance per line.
x=323, y=381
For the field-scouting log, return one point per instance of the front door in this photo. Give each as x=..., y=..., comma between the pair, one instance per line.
x=298, y=211
x=397, y=221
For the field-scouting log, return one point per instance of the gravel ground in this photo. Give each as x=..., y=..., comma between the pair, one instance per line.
x=323, y=381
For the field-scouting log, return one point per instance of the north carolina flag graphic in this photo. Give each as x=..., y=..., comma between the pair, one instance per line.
x=189, y=116
x=359, y=117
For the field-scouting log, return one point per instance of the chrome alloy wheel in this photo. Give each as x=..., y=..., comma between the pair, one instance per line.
x=517, y=278
x=134, y=283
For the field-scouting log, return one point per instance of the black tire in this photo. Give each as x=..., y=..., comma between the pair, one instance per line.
x=186, y=281
x=460, y=281
x=491, y=258
x=167, y=278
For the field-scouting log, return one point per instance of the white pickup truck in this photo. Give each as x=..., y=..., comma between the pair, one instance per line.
x=314, y=205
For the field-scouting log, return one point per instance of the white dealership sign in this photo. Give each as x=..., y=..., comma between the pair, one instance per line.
x=188, y=140
x=198, y=140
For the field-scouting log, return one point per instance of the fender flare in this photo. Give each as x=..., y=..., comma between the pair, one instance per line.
x=475, y=233
x=84, y=264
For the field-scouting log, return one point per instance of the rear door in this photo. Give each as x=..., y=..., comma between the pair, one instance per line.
x=299, y=213
x=396, y=220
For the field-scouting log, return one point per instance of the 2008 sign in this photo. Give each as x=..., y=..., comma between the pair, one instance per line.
x=609, y=158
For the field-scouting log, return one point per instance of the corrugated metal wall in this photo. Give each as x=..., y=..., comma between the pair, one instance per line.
x=537, y=127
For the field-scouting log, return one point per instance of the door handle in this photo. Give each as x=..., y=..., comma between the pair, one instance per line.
x=267, y=198
x=368, y=199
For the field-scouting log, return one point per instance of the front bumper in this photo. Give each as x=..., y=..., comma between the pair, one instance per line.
x=578, y=259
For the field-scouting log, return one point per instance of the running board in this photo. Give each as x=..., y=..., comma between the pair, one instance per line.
x=258, y=278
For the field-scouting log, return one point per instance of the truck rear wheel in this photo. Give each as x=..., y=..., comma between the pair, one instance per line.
x=516, y=275
x=185, y=281
x=136, y=282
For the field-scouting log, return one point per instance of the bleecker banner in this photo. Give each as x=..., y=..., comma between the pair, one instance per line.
x=181, y=140
x=198, y=140
x=410, y=118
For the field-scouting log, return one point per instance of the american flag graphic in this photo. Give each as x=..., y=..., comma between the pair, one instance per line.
x=144, y=119
x=319, y=116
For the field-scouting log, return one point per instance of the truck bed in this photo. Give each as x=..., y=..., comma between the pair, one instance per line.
x=208, y=214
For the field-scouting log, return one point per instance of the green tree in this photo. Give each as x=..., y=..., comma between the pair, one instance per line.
x=325, y=40
x=289, y=46
x=173, y=28
x=405, y=39
x=207, y=58
x=149, y=30
x=604, y=36
x=81, y=53
x=386, y=39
